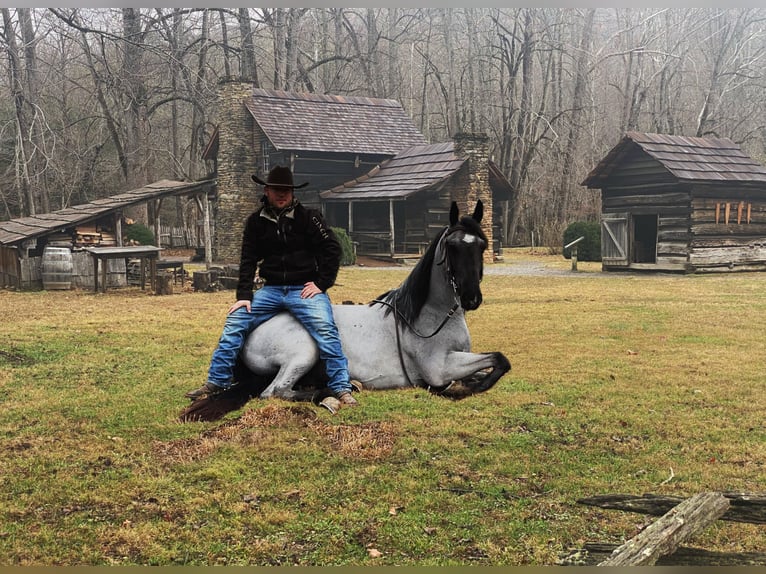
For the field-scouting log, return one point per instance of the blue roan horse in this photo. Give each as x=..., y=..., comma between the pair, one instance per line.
x=412, y=336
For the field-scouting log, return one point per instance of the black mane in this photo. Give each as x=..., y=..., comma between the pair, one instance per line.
x=411, y=295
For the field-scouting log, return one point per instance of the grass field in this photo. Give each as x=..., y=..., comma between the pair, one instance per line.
x=620, y=383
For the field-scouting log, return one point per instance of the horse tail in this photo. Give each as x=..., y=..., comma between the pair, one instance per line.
x=248, y=385
x=214, y=408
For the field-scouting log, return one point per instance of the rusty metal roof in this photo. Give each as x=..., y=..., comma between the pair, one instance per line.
x=417, y=168
x=23, y=228
x=686, y=158
x=327, y=123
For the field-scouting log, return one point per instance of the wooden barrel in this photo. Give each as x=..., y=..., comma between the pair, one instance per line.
x=57, y=268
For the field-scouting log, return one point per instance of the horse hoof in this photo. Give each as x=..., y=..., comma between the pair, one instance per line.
x=331, y=404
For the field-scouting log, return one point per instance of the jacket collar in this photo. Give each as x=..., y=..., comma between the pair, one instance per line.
x=275, y=215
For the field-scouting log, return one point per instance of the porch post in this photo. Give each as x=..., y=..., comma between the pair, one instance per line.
x=118, y=227
x=206, y=232
x=391, y=224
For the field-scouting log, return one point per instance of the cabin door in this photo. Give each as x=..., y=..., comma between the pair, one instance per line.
x=645, y=238
x=614, y=239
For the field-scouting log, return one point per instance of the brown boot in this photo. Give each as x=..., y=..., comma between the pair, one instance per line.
x=347, y=400
x=208, y=389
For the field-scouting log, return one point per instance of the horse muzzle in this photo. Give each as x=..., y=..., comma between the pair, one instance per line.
x=470, y=301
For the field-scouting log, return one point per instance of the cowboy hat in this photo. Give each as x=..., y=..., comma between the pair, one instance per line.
x=279, y=176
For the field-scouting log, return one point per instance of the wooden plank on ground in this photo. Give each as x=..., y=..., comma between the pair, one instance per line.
x=668, y=532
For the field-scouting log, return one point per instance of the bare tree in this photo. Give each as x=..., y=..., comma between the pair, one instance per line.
x=30, y=160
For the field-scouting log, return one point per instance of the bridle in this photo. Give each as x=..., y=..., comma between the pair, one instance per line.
x=399, y=318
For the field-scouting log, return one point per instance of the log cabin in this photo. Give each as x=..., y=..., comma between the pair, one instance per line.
x=680, y=204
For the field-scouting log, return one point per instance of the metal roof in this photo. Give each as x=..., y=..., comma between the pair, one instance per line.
x=415, y=169
x=327, y=123
x=686, y=158
x=23, y=228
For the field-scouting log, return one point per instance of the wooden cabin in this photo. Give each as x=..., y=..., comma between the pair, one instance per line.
x=398, y=208
x=685, y=204
x=341, y=145
x=325, y=139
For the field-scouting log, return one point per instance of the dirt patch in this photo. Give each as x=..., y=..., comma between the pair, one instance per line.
x=14, y=358
x=368, y=441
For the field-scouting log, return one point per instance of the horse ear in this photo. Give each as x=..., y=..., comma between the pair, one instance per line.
x=453, y=214
x=478, y=212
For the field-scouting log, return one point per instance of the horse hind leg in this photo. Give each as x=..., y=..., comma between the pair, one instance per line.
x=296, y=380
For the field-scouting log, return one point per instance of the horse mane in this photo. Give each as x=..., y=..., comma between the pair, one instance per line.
x=411, y=295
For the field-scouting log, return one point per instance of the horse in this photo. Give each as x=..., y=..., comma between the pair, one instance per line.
x=412, y=336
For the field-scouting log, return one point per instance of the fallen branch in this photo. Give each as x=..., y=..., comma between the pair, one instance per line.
x=668, y=479
x=593, y=553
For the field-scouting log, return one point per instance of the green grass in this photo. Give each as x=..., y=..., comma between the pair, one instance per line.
x=620, y=383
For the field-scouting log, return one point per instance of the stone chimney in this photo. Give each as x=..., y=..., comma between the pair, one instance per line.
x=475, y=148
x=238, y=195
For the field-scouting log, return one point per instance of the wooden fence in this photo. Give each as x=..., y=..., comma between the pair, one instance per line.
x=659, y=543
x=181, y=237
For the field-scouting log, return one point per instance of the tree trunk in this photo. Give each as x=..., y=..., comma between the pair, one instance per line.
x=249, y=69
x=564, y=194
x=22, y=152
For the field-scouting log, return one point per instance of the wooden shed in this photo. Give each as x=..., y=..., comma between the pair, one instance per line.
x=676, y=203
x=76, y=228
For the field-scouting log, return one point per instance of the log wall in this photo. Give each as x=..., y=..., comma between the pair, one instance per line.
x=728, y=228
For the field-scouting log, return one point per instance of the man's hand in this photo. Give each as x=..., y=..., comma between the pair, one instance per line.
x=309, y=290
x=241, y=303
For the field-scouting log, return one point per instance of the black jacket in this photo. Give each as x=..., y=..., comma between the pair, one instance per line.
x=291, y=248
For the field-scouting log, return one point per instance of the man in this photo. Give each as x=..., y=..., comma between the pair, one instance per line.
x=299, y=261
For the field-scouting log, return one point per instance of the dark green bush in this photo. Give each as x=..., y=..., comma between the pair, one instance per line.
x=140, y=233
x=348, y=256
x=589, y=249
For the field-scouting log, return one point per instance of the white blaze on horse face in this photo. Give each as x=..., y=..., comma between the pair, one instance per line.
x=468, y=238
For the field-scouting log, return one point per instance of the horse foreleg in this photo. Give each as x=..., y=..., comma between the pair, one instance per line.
x=465, y=367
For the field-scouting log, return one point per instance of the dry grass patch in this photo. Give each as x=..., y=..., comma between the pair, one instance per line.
x=367, y=441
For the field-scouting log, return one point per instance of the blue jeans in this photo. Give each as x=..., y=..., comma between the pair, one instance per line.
x=315, y=314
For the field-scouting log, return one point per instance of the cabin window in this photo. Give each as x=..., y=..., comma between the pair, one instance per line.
x=728, y=212
x=265, y=150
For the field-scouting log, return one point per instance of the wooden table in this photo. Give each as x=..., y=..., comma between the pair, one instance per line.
x=143, y=252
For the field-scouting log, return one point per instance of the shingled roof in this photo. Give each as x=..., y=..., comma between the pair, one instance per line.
x=415, y=169
x=22, y=228
x=327, y=123
x=686, y=158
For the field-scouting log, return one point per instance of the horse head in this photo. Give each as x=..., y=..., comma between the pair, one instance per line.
x=464, y=246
